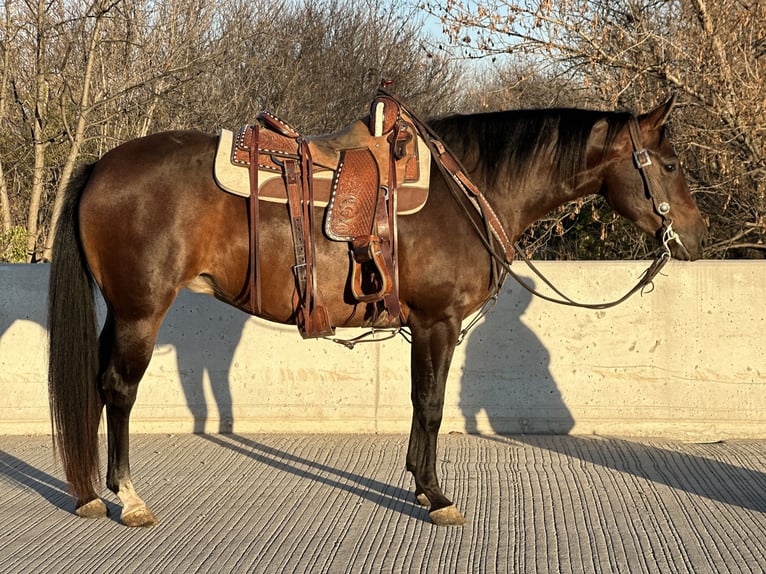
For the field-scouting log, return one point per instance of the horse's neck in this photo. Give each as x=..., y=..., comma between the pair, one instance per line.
x=523, y=192
x=521, y=203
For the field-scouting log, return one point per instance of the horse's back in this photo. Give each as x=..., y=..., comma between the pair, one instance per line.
x=159, y=162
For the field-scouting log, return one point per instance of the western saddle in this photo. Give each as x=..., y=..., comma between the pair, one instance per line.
x=365, y=175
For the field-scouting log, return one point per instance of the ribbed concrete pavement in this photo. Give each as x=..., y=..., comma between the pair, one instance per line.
x=338, y=503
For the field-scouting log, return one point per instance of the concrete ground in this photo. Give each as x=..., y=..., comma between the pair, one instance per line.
x=339, y=503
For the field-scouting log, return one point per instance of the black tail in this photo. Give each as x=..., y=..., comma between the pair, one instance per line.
x=73, y=349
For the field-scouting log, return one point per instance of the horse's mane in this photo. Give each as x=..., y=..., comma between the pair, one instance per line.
x=511, y=142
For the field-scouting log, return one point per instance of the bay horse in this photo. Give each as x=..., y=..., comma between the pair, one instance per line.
x=147, y=220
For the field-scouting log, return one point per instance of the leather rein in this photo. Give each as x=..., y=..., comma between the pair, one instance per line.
x=463, y=188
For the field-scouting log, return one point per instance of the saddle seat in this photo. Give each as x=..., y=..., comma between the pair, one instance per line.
x=364, y=176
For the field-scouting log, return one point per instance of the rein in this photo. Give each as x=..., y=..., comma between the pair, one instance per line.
x=462, y=187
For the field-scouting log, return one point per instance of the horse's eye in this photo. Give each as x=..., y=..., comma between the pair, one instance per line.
x=670, y=167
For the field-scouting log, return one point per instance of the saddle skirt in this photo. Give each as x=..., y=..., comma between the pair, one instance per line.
x=231, y=169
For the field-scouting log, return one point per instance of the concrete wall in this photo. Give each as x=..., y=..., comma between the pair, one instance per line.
x=685, y=361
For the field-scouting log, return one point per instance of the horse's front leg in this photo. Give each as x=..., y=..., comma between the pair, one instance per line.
x=126, y=350
x=433, y=344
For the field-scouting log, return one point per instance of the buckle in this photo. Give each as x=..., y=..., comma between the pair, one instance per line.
x=641, y=158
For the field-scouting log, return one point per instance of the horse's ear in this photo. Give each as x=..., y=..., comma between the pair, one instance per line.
x=658, y=117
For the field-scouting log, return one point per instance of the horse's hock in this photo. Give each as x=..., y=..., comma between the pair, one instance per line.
x=685, y=361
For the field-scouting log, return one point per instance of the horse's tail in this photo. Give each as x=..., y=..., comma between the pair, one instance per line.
x=73, y=348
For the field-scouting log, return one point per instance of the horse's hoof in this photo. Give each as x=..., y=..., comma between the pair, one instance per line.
x=423, y=499
x=447, y=516
x=93, y=509
x=139, y=516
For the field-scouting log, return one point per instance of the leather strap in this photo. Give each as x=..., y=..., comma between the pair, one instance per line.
x=457, y=172
x=310, y=312
x=253, y=212
x=308, y=223
x=387, y=228
x=642, y=160
x=296, y=224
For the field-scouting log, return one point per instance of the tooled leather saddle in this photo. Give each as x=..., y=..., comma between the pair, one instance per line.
x=364, y=176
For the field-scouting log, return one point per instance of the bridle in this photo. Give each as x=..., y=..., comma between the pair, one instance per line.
x=642, y=160
x=496, y=242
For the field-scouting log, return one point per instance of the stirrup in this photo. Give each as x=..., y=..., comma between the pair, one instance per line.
x=370, y=251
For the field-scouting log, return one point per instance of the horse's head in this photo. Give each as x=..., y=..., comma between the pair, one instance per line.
x=643, y=181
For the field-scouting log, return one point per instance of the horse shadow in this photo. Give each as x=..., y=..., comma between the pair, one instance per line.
x=697, y=475
x=12, y=311
x=205, y=334
x=14, y=470
x=521, y=401
x=507, y=378
x=206, y=344
x=383, y=494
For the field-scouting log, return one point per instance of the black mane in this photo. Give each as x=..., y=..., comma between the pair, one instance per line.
x=512, y=142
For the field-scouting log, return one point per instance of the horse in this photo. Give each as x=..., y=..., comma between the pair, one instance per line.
x=147, y=219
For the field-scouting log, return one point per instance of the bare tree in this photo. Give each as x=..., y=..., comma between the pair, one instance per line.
x=82, y=108
x=7, y=38
x=629, y=54
x=84, y=71
x=319, y=62
x=85, y=75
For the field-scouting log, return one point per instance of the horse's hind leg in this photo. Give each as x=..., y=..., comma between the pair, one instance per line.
x=126, y=348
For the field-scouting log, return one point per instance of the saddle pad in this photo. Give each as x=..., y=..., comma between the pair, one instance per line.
x=235, y=179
